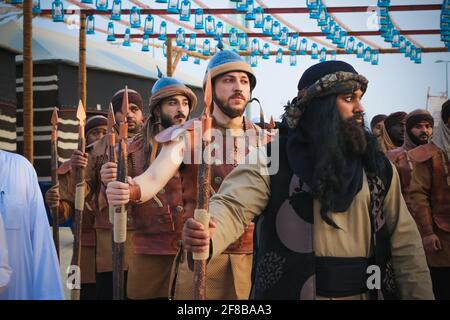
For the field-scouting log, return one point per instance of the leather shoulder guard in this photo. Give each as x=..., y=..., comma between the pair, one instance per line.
x=423, y=153
x=395, y=153
x=172, y=133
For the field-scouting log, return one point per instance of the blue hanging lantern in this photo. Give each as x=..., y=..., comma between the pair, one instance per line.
x=135, y=17
x=172, y=6
x=293, y=58
x=57, y=11
x=233, y=38
x=184, y=57
x=241, y=6
x=343, y=40
x=396, y=39
x=402, y=45
x=111, y=36
x=323, y=55
x=87, y=1
x=276, y=30
x=253, y=60
x=164, y=49
x=314, y=51
x=185, y=10
x=255, y=49
x=101, y=5
x=331, y=33
x=408, y=49
x=323, y=17
x=374, y=58
x=192, y=42
x=161, y=1
x=284, y=37
x=268, y=25
x=250, y=15
x=314, y=13
x=350, y=45
x=149, y=25
x=418, y=59
x=90, y=25
x=312, y=4
x=326, y=28
x=219, y=31
x=259, y=18
x=36, y=7
x=360, y=50
x=127, y=38
x=337, y=35
x=243, y=41
x=16, y=1
x=266, y=51
x=293, y=42
x=116, y=10
x=198, y=19
x=413, y=54
x=367, y=54
x=162, y=31
x=279, y=56
x=303, y=46
x=206, y=48
x=383, y=3
x=197, y=59
x=180, y=38
x=145, y=43
x=333, y=56
x=210, y=26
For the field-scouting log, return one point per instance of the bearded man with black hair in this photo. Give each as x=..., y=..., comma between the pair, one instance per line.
x=331, y=213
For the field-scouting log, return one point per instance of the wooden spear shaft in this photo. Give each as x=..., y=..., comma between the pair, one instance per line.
x=55, y=182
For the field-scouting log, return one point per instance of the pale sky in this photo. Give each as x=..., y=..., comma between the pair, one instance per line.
x=395, y=84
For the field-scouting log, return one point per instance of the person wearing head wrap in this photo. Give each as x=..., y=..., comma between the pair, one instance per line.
x=393, y=132
x=419, y=128
x=62, y=196
x=332, y=208
x=430, y=201
x=135, y=116
x=377, y=123
x=228, y=84
x=157, y=222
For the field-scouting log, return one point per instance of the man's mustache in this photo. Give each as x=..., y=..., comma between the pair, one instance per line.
x=237, y=96
x=180, y=116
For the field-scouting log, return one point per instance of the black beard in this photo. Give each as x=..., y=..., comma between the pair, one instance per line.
x=166, y=121
x=416, y=140
x=226, y=109
x=353, y=137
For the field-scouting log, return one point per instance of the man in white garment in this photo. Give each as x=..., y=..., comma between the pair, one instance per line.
x=5, y=269
x=30, y=248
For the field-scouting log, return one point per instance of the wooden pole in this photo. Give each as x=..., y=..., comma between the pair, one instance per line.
x=82, y=61
x=28, y=80
x=169, y=57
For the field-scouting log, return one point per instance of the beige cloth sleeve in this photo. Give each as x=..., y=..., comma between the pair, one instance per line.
x=242, y=196
x=408, y=257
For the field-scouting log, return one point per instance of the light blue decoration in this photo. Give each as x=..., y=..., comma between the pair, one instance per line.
x=284, y=37
x=116, y=10
x=192, y=42
x=126, y=38
x=333, y=56
x=162, y=31
x=266, y=51
x=180, y=38
x=250, y=15
x=241, y=6
x=184, y=57
x=101, y=5
x=206, y=48
x=343, y=40
x=145, y=43
x=418, y=56
x=312, y=4
x=210, y=26
x=219, y=31
x=233, y=37
x=279, y=56
x=149, y=25
x=243, y=41
x=172, y=6
x=367, y=54
x=111, y=36
x=323, y=55
x=383, y=3
x=185, y=10
x=314, y=51
x=87, y=1
x=303, y=46
x=135, y=17
x=198, y=19
x=396, y=39
x=276, y=30
x=253, y=60
x=197, y=59
x=374, y=58
x=360, y=50
x=323, y=17
x=293, y=42
x=402, y=45
x=259, y=18
x=268, y=25
x=314, y=13
x=293, y=58
x=164, y=49
x=36, y=7
x=161, y=1
x=57, y=11
x=408, y=47
x=90, y=25
x=350, y=45
x=255, y=49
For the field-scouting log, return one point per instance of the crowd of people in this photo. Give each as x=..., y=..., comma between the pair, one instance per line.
x=324, y=200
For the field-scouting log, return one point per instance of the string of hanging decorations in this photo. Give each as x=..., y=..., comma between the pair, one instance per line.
x=248, y=44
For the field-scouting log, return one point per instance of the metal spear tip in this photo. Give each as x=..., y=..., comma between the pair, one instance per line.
x=55, y=116
x=111, y=118
x=208, y=94
x=81, y=114
x=125, y=104
x=272, y=123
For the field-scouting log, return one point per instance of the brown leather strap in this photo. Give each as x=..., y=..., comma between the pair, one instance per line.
x=135, y=193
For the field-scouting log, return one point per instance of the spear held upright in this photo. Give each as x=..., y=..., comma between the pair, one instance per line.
x=55, y=182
